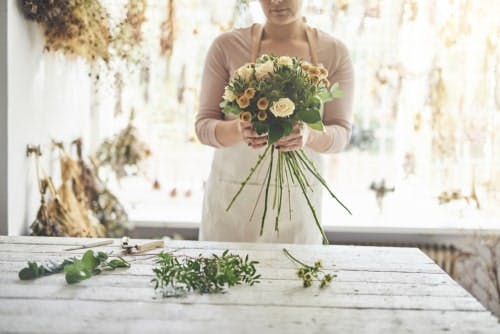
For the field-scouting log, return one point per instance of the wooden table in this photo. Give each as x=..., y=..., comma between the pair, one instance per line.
x=378, y=290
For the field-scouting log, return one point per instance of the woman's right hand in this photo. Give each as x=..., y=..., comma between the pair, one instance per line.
x=251, y=137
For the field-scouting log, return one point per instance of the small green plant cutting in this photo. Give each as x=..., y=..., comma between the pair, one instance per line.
x=310, y=273
x=76, y=270
x=176, y=276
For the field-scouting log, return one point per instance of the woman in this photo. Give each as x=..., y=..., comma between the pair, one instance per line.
x=238, y=146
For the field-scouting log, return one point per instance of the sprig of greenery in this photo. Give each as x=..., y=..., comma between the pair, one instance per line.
x=309, y=273
x=178, y=275
x=76, y=270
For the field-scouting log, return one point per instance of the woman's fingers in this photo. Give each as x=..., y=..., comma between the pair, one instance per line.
x=295, y=141
x=289, y=139
x=251, y=137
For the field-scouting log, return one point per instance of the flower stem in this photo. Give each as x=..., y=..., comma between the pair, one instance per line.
x=252, y=171
x=287, y=177
x=316, y=220
x=258, y=196
x=294, y=258
x=310, y=166
x=279, y=171
x=267, y=189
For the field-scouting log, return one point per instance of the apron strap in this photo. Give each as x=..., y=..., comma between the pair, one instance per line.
x=312, y=40
x=257, y=31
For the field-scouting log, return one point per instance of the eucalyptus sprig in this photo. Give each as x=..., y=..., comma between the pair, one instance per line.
x=309, y=273
x=76, y=270
x=178, y=275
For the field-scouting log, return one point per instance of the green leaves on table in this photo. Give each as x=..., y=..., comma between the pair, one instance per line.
x=309, y=273
x=35, y=270
x=178, y=275
x=76, y=270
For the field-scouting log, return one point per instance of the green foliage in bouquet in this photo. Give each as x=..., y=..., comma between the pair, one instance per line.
x=274, y=94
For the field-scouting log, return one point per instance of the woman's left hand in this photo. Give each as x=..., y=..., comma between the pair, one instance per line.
x=296, y=140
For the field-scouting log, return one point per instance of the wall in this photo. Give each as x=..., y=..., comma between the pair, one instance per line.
x=48, y=98
x=3, y=117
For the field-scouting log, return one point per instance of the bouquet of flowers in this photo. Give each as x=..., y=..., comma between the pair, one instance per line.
x=274, y=94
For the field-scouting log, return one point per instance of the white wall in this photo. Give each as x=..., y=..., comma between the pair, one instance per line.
x=48, y=98
x=3, y=117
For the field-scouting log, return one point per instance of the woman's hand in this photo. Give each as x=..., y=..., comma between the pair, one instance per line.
x=296, y=140
x=251, y=137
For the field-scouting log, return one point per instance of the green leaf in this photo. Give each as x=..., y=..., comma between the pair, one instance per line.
x=317, y=126
x=336, y=92
x=118, y=263
x=275, y=133
x=287, y=127
x=26, y=274
x=231, y=108
x=76, y=273
x=260, y=128
x=89, y=260
x=325, y=96
x=102, y=256
x=309, y=116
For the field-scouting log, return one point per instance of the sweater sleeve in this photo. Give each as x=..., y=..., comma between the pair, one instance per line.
x=215, y=77
x=337, y=113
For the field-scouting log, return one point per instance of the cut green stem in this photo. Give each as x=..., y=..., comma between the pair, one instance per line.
x=252, y=171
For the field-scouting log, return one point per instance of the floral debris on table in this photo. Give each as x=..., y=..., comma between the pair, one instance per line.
x=309, y=273
x=178, y=275
x=76, y=270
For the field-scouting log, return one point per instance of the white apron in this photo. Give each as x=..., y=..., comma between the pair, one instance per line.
x=230, y=167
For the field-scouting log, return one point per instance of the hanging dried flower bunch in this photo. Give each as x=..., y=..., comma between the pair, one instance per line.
x=372, y=10
x=409, y=11
x=167, y=31
x=75, y=27
x=64, y=213
x=443, y=124
x=105, y=205
x=126, y=149
x=44, y=223
x=343, y=5
x=129, y=34
x=73, y=197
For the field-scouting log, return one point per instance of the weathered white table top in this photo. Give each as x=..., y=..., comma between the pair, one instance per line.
x=377, y=290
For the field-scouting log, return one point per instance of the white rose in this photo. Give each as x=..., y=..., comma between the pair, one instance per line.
x=245, y=72
x=229, y=95
x=285, y=61
x=264, y=70
x=283, y=107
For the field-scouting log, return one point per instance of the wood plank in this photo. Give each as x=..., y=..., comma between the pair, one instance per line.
x=114, y=317
x=319, y=250
x=267, y=293
x=344, y=256
x=338, y=286
x=145, y=269
x=343, y=259
x=363, y=267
